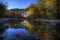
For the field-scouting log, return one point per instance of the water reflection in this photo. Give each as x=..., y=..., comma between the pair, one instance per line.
x=11, y=33
x=39, y=27
x=26, y=23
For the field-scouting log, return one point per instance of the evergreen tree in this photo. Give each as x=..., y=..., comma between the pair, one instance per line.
x=2, y=9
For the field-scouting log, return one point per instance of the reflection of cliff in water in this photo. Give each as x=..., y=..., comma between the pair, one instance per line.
x=41, y=28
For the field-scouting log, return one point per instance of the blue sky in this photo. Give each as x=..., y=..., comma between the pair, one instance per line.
x=19, y=3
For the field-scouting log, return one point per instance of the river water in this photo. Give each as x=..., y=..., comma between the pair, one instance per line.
x=10, y=34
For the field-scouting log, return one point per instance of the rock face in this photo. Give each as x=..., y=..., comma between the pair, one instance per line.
x=15, y=34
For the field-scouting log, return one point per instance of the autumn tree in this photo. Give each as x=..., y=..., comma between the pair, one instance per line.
x=32, y=10
x=42, y=10
x=50, y=6
x=47, y=8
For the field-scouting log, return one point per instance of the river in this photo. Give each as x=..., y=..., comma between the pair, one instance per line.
x=10, y=34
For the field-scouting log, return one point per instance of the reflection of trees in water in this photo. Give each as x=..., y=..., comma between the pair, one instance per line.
x=44, y=30
x=28, y=25
x=41, y=29
x=1, y=28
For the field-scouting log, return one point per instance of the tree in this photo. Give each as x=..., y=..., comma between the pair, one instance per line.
x=31, y=9
x=2, y=9
x=47, y=8
x=34, y=12
x=57, y=9
x=50, y=6
x=42, y=10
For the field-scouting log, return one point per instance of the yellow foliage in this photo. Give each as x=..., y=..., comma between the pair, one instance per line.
x=30, y=29
x=32, y=8
x=49, y=3
x=39, y=6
